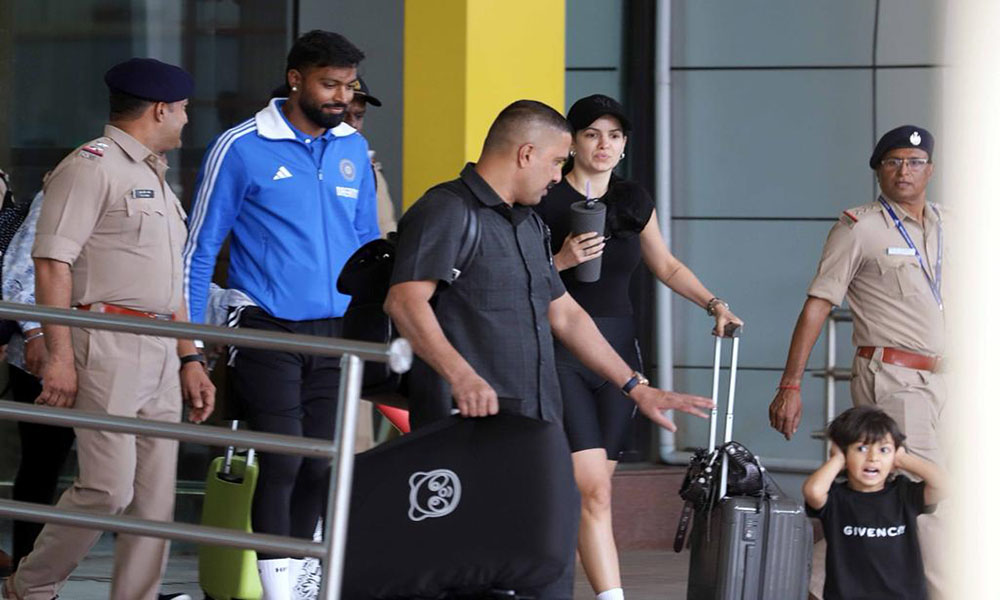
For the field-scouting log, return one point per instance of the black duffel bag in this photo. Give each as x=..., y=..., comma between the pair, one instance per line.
x=461, y=507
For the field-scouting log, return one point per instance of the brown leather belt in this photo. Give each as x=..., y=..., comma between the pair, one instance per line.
x=902, y=358
x=121, y=310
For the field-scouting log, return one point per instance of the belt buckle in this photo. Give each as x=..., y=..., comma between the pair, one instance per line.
x=160, y=316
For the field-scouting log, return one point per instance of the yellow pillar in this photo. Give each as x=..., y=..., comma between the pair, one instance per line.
x=464, y=60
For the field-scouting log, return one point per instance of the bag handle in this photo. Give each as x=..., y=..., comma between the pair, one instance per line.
x=733, y=332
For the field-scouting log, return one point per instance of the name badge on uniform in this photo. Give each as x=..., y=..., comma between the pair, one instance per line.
x=143, y=194
x=900, y=251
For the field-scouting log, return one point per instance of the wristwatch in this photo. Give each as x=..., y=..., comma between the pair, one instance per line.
x=636, y=379
x=199, y=358
x=710, y=307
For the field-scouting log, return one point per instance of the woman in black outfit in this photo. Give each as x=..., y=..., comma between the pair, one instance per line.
x=596, y=413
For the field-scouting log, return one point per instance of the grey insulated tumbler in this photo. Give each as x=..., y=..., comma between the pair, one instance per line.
x=586, y=216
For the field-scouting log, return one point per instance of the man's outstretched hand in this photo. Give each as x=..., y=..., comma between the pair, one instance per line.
x=653, y=401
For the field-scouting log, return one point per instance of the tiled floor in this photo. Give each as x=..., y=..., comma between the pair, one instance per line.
x=648, y=575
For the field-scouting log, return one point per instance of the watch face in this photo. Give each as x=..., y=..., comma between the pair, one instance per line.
x=642, y=379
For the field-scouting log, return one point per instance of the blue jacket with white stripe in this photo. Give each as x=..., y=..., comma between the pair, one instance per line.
x=296, y=215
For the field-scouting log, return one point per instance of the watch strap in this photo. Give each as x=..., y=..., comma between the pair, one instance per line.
x=636, y=379
x=192, y=358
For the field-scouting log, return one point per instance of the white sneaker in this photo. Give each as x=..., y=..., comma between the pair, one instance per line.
x=274, y=580
x=307, y=587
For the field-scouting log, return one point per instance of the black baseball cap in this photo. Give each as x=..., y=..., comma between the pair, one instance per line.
x=587, y=110
x=361, y=89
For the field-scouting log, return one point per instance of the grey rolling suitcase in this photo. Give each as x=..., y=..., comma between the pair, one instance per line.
x=746, y=547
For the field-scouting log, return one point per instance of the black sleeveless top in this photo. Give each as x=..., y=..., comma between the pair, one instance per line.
x=629, y=209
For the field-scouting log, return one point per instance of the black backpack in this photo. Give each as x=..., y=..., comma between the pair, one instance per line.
x=366, y=276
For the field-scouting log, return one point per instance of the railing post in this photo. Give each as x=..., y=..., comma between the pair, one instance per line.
x=339, y=500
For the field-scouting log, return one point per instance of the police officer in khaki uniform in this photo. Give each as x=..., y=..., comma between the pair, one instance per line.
x=355, y=117
x=109, y=239
x=887, y=258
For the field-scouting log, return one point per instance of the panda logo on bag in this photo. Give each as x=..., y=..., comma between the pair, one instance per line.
x=434, y=494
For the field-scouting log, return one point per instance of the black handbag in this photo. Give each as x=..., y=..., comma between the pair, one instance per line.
x=700, y=488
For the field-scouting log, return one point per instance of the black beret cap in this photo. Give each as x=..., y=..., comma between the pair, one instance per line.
x=907, y=136
x=587, y=110
x=150, y=79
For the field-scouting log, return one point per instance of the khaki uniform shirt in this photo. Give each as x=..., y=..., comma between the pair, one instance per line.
x=866, y=258
x=109, y=214
x=383, y=201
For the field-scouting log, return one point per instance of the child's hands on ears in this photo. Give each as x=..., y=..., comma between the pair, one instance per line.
x=837, y=454
x=900, y=459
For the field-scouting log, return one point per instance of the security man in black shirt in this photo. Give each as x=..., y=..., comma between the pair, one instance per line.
x=488, y=333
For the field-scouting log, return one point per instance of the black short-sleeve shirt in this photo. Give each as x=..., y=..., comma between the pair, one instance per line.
x=872, y=548
x=496, y=313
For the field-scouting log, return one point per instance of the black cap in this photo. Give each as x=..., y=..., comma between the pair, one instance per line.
x=907, y=136
x=587, y=110
x=361, y=89
x=150, y=79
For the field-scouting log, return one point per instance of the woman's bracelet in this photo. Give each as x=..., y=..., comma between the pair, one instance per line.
x=789, y=387
x=34, y=336
x=710, y=307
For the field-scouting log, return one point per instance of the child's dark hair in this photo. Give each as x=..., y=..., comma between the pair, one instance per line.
x=865, y=424
x=319, y=48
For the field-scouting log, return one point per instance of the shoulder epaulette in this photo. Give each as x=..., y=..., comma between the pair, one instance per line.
x=853, y=216
x=94, y=149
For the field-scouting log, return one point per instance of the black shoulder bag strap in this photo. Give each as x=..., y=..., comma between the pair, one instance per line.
x=683, y=525
x=471, y=234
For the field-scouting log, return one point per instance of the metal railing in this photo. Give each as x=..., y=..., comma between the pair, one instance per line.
x=340, y=451
x=831, y=374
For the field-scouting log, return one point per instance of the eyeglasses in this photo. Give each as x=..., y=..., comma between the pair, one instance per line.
x=915, y=164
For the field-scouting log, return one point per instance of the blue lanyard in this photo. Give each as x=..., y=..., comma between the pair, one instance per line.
x=935, y=282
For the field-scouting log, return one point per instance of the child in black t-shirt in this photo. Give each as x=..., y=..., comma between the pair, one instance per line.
x=870, y=521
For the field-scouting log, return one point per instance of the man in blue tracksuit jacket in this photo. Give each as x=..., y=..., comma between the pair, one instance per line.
x=294, y=187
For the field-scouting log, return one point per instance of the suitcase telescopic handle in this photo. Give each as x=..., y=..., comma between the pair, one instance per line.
x=733, y=332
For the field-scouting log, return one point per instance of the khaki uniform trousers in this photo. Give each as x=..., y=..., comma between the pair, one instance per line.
x=124, y=375
x=916, y=400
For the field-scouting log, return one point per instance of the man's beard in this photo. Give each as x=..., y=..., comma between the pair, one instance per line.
x=325, y=120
